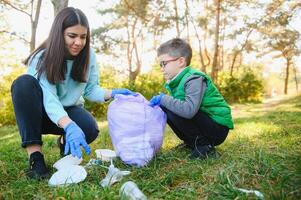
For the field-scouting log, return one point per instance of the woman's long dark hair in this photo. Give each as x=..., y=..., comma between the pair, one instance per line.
x=52, y=61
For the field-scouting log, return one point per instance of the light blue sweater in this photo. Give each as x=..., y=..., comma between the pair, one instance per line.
x=68, y=92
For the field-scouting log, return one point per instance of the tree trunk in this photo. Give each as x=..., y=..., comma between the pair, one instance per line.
x=208, y=58
x=58, y=5
x=134, y=74
x=187, y=21
x=177, y=18
x=222, y=44
x=288, y=62
x=233, y=62
x=296, y=78
x=236, y=53
x=214, y=71
x=34, y=24
x=32, y=43
x=133, y=47
x=128, y=50
x=203, y=67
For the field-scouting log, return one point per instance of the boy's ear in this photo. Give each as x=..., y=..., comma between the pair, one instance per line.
x=182, y=61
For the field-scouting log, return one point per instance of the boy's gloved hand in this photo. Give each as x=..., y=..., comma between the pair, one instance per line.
x=156, y=100
x=123, y=91
x=75, y=138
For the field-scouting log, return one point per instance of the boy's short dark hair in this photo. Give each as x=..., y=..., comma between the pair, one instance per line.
x=177, y=48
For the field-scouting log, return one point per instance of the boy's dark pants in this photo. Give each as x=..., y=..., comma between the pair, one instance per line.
x=198, y=131
x=32, y=119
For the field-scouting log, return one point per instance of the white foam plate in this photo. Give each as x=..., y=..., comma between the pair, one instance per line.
x=69, y=175
x=67, y=161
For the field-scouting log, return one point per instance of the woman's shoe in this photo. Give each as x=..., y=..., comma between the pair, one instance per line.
x=60, y=145
x=37, y=167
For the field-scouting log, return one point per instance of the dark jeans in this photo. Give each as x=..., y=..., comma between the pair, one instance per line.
x=200, y=130
x=32, y=119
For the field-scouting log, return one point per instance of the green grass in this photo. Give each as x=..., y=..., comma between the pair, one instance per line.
x=263, y=152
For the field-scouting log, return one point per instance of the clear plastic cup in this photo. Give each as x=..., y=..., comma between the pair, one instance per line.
x=130, y=191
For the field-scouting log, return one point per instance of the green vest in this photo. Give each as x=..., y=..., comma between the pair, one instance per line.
x=212, y=103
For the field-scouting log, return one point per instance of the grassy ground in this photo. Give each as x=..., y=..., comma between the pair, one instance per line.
x=263, y=152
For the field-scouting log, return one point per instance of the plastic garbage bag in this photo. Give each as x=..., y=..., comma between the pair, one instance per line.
x=114, y=175
x=136, y=129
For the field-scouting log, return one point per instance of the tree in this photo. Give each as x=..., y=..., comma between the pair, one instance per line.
x=200, y=24
x=238, y=33
x=278, y=34
x=187, y=20
x=130, y=18
x=159, y=22
x=238, y=51
x=177, y=18
x=285, y=43
x=58, y=5
x=214, y=71
x=31, y=10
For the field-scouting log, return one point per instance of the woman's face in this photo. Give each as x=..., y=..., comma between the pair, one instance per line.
x=75, y=39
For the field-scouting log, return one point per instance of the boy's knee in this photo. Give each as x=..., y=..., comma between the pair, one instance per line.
x=169, y=114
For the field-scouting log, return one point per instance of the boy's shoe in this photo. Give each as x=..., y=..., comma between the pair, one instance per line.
x=61, y=146
x=202, y=152
x=37, y=167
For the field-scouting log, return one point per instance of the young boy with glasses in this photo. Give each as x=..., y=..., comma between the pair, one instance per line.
x=196, y=111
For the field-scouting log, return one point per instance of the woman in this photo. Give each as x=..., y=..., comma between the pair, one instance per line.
x=49, y=98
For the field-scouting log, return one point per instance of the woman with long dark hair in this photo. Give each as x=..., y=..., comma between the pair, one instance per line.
x=49, y=98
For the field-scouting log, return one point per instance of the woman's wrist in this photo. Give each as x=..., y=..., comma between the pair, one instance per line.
x=108, y=95
x=64, y=121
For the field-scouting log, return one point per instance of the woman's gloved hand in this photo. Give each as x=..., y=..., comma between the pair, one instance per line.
x=75, y=138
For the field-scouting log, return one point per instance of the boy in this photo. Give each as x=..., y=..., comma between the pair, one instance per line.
x=196, y=111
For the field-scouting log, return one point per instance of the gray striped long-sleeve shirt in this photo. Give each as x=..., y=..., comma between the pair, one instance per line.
x=195, y=87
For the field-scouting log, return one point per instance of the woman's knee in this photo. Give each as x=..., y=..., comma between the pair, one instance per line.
x=24, y=83
x=85, y=121
x=89, y=128
x=91, y=133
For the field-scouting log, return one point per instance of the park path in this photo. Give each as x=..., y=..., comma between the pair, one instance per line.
x=266, y=105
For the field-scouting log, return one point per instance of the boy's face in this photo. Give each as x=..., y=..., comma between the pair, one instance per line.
x=171, y=66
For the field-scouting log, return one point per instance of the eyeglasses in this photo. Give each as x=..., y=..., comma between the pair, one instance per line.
x=164, y=63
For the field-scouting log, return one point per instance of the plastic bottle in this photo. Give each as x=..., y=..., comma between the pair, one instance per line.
x=130, y=191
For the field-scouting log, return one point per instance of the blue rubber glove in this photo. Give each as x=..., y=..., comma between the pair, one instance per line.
x=75, y=138
x=123, y=91
x=156, y=100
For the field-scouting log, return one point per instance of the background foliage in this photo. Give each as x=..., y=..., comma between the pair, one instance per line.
x=243, y=87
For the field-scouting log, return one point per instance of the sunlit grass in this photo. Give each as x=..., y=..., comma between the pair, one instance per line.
x=263, y=152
